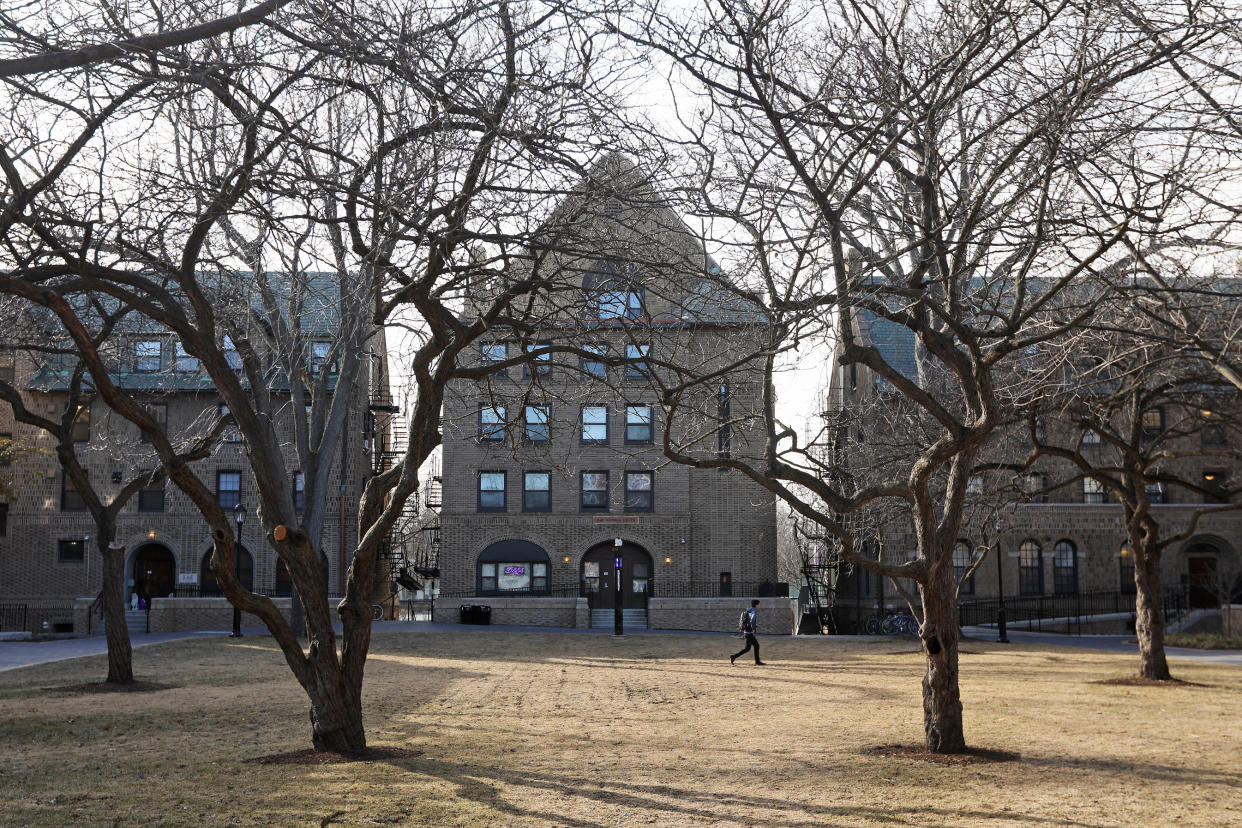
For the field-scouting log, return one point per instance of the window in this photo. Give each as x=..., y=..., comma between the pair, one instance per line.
x=492, y=353
x=595, y=367
x=640, y=369
x=1064, y=568
x=228, y=488
x=148, y=355
x=513, y=566
x=491, y=491
x=4, y=519
x=82, y=425
x=594, y=424
x=7, y=367
x=594, y=491
x=151, y=498
x=540, y=364
x=1091, y=437
x=1125, y=570
x=1093, y=491
x=962, y=557
x=492, y=423
x=6, y=449
x=299, y=491
x=71, y=499
x=612, y=293
x=182, y=360
x=1153, y=423
x=1035, y=485
x=1030, y=568
x=638, y=424
x=231, y=356
x=1156, y=493
x=974, y=485
x=71, y=551
x=724, y=432
x=1215, y=484
x=159, y=413
x=231, y=434
x=1212, y=434
x=535, y=418
x=319, y=357
x=639, y=496
x=536, y=492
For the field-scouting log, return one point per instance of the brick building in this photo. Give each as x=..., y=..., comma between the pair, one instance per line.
x=48, y=563
x=553, y=468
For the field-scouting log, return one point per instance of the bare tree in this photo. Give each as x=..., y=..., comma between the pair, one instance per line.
x=923, y=187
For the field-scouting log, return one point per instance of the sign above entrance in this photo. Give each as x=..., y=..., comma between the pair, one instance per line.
x=187, y=577
x=629, y=519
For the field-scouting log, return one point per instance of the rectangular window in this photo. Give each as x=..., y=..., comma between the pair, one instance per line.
x=183, y=362
x=299, y=491
x=594, y=491
x=487, y=577
x=159, y=413
x=148, y=356
x=1156, y=493
x=639, y=494
x=595, y=425
x=535, y=420
x=594, y=367
x=1215, y=483
x=536, y=492
x=1212, y=434
x=639, y=370
x=963, y=557
x=492, y=353
x=231, y=434
x=491, y=491
x=492, y=423
x=1093, y=491
x=71, y=551
x=82, y=425
x=228, y=488
x=1153, y=423
x=7, y=367
x=319, y=357
x=638, y=424
x=151, y=498
x=540, y=364
x=71, y=499
x=724, y=429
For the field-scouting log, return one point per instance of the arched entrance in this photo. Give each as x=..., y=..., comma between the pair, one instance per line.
x=208, y=585
x=155, y=571
x=599, y=576
x=1201, y=575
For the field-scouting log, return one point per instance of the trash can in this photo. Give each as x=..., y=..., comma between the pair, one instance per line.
x=467, y=614
x=483, y=616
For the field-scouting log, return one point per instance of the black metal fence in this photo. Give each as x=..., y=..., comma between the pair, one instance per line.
x=13, y=617
x=1063, y=613
x=719, y=589
x=199, y=591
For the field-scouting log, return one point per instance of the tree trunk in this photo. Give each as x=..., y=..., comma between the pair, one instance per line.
x=1149, y=618
x=942, y=702
x=116, y=631
x=336, y=710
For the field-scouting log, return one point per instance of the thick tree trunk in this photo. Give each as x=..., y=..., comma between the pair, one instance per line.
x=336, y=711
x=116, y=631
x=942, y=702
x=1149, y=618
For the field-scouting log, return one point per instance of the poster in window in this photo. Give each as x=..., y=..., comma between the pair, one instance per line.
x=590, y=569
x=514, y=576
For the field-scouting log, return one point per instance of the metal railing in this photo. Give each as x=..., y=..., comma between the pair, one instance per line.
x=199, y=591
x=718, y=589
x=13, y=617
x=1065, y=613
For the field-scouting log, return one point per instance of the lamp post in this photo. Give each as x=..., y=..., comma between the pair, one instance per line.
x=1002, y=636
x=618, y=623
x=239, y=517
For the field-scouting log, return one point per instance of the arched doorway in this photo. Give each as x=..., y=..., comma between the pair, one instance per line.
x=284, y=584
x=510, y=567
x=208, y=585
x=155, y=571
x=599, y=576
x=1201, y=577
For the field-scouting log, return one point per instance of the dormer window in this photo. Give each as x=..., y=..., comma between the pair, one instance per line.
x=612, y=291
x=147, y=356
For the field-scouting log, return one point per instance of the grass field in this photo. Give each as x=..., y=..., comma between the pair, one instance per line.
x=583, y=730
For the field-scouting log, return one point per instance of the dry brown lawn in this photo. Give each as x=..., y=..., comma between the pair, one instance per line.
x=583, y=730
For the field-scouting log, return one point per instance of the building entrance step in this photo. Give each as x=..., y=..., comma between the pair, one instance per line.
x=633, y=619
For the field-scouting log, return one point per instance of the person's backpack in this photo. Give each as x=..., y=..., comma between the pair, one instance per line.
x=743, y=623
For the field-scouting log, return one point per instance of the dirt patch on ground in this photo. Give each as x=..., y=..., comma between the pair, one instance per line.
x=972, y=756
x=312, y=757
x=105, y=687
x=1140, y=681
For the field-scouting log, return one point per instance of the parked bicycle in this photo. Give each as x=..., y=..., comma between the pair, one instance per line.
x=893, y=623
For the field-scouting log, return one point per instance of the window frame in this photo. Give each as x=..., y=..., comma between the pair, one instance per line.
x=542, y=364
x=607, y=491
x=1094, y=496
x=142, y=360
x=504, y=491
x=547, y=424
x=144, y=506
x=220, y=473
x=650, y=425
x=298, y=490
x=1063, y=584
x=1030, y=573
x=650, y=492
x=64, y=543
x=179, y=355
x=640, y=369
x=527, y=491
x=485, y=360
x=966, y=586
x=8, y=367
x=81, y=427
x=231, y=433
x=600, y=349
x=495, y=431
x=582, y=426
x=1151, y=432
x=162, y=419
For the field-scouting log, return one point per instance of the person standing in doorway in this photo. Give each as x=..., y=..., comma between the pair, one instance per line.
x=748, y=625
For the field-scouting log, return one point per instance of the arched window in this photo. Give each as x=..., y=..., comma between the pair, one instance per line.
x=208, y=585
x=1125, y=570
x=1030, y=568
x=961, y=562
x=1065, y=568
x=513, y=566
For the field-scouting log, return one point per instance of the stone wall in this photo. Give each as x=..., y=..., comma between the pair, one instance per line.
x=776, y=615
x=532, y=612
x=181, y=614
x=1231, y=619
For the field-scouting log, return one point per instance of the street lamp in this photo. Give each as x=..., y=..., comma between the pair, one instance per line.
x=239, y=517
x=1001, y=634
x=618, y=624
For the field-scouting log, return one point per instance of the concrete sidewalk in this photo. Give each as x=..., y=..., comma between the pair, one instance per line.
x=1106, y=643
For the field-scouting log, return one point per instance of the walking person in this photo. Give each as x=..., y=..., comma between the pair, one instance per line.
x=748, y=624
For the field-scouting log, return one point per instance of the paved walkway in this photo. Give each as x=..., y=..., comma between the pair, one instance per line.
x=14, y=654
